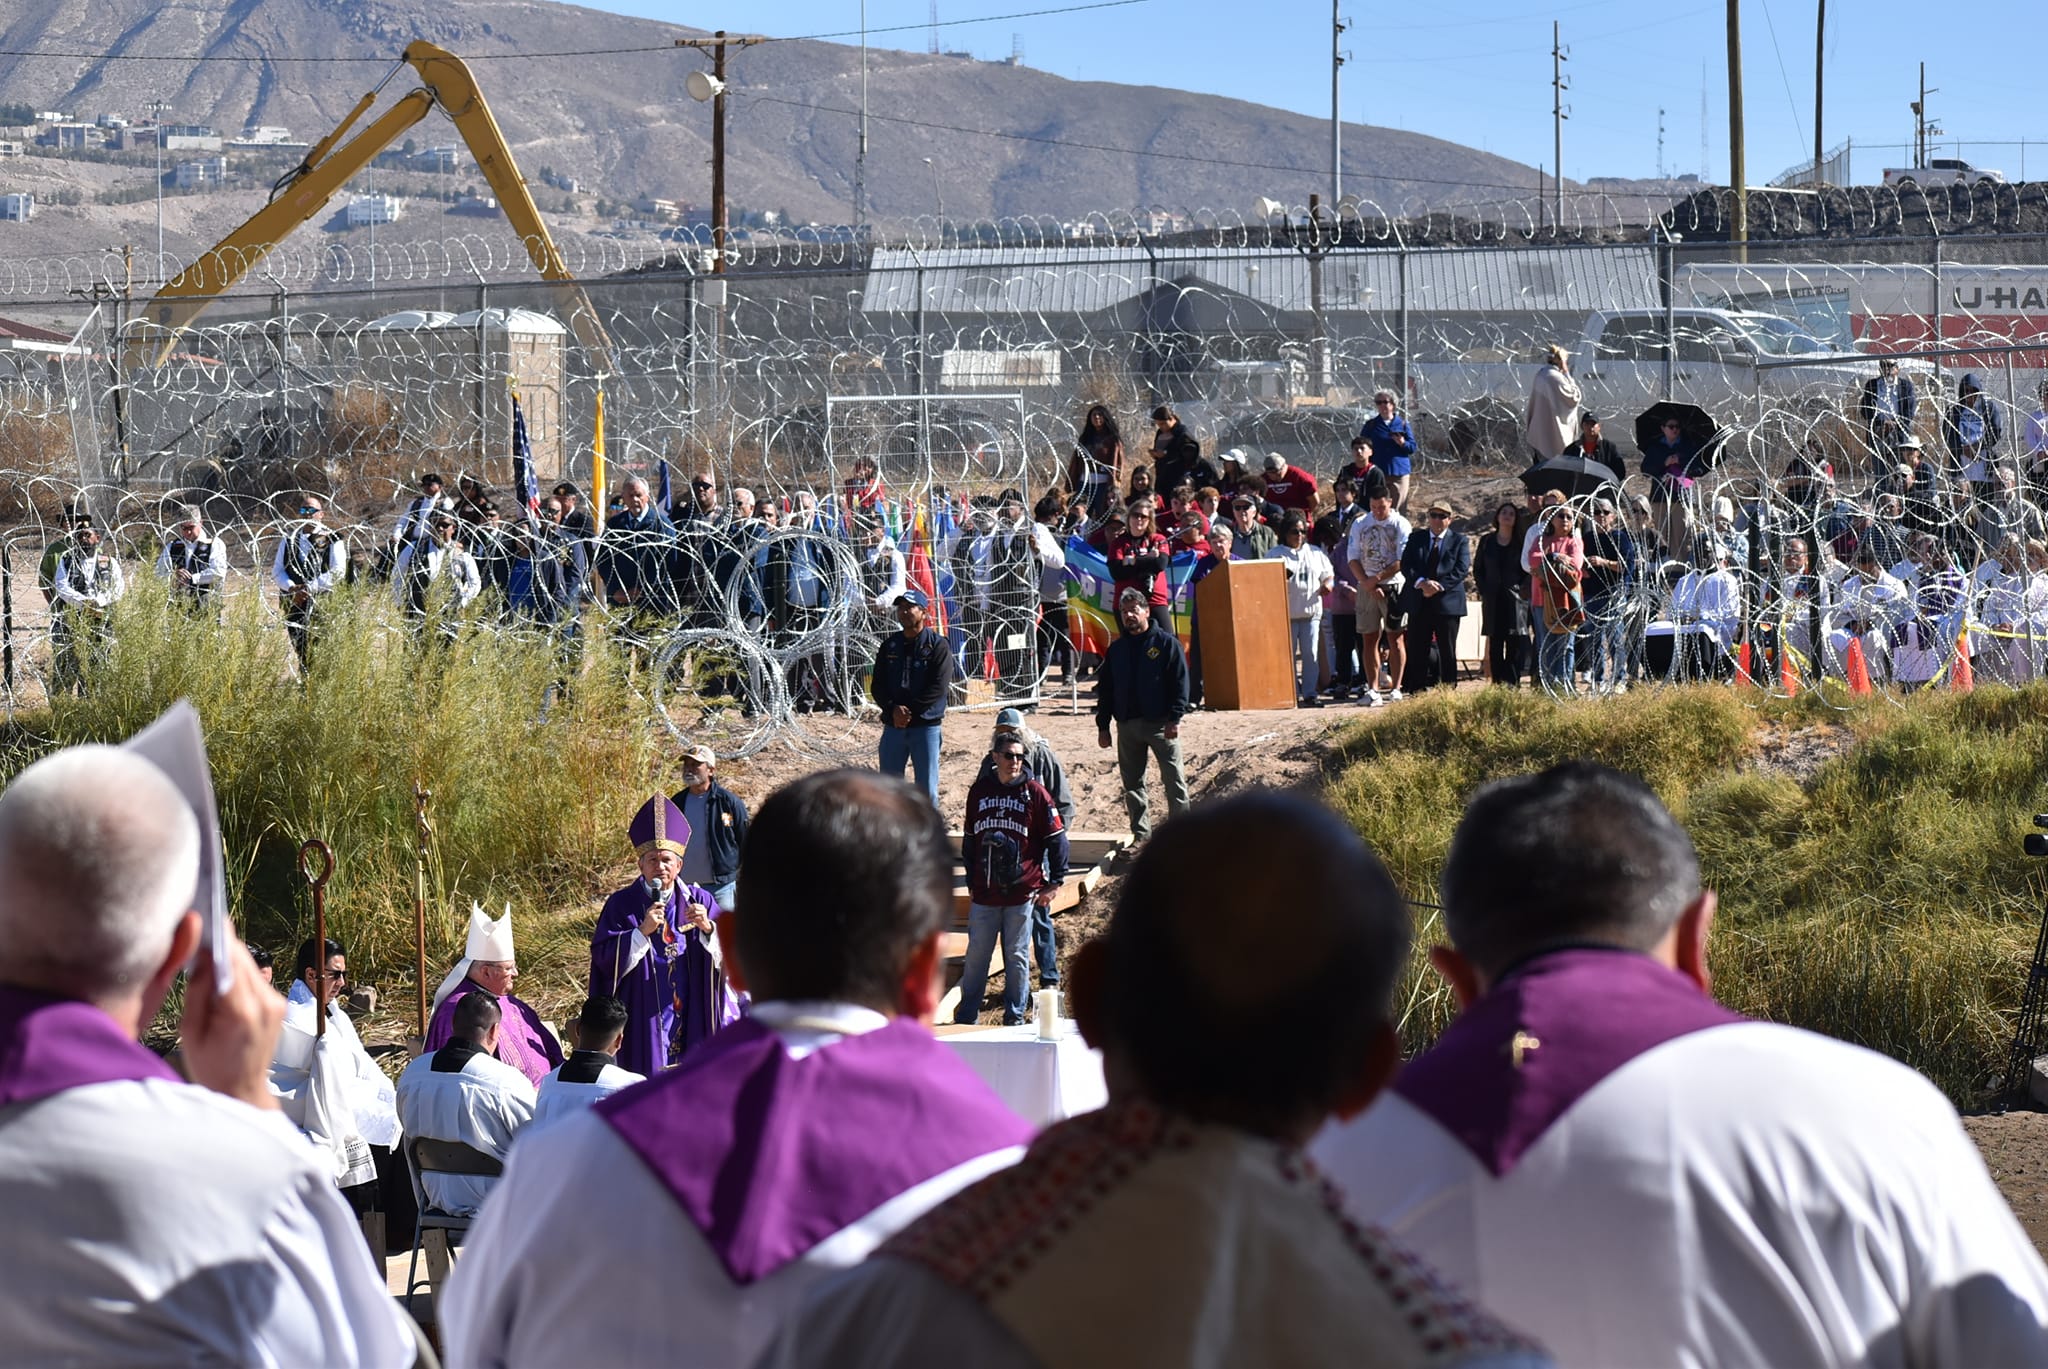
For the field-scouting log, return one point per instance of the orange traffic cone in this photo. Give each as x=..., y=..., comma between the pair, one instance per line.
x=1788, y=671
x=1856, y=668
x=1964, y=679
x=1742, y=672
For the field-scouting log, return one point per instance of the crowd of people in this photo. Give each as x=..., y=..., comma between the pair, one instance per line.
x=1595, y=1164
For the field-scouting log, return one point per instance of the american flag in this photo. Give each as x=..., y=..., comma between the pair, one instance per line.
x=522, y=463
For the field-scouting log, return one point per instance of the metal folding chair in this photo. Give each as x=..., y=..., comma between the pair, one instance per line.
x=426, y=1155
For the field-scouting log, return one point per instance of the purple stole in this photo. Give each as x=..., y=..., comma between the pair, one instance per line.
x=768, y=1155
x=523, y=1043
x=49, y=1045
x=1542, y=1038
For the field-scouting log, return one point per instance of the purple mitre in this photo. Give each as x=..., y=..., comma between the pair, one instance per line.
x=659, y=826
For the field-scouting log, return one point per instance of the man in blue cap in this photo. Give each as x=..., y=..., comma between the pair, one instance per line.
x=912, y=673
x=655, y=951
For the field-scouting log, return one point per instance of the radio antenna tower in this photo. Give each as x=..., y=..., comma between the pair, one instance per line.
x=1705, y=178
x=935, y=32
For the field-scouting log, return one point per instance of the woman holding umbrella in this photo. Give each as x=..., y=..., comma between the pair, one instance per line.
x=1671, y=461
x=1503, y=608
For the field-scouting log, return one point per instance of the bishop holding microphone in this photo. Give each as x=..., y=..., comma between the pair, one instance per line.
x=656, y=950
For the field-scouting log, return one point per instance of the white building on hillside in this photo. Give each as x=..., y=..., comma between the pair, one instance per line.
x=207, y=174
x=18, y=207
x=371, y=209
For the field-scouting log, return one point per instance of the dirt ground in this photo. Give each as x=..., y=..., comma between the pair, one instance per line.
x=2015, y=1149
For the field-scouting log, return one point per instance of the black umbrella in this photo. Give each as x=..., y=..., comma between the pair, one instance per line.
x=1575, y=475
x=1696, y=428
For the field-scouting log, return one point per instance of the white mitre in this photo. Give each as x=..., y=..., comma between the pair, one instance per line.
x=488, y=940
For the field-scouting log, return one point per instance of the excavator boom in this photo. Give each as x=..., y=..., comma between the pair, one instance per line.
x=446, y=82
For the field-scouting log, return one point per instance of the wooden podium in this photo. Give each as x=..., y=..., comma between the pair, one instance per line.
x=1241, y=621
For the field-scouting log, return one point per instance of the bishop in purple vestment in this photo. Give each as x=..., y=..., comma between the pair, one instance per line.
x=655, y=949
x=488, y=966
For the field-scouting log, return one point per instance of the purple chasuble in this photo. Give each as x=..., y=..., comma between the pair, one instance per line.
x=523, y=1043
x=676, y=996
x=1542, y=1038
x=49, y=1045
x=768, y=1155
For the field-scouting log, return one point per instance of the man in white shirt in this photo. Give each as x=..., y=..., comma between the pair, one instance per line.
x=1602, y=1154
x=679, y=1221
x=1181, y=1225
x=89, y=583
x=462, y=1093
x=436, y=558
x=1873, y=605
x=311, y=563
x=1374, y=549
x=589, y=1075
x=149, y=1220
x=412, y=524
x=195, y=564
x=1309, y=577
x=326, y=1082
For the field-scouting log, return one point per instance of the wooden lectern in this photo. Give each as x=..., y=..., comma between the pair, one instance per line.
x=1241, y=621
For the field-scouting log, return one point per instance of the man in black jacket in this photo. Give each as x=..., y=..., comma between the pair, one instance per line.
x=718, y=825
x=912, y=671
x=1143, y=686
x=1600, y=448
x=1434, y=563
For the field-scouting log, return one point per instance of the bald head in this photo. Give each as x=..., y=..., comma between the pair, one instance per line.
x=1262, y=1007
x=98, y=857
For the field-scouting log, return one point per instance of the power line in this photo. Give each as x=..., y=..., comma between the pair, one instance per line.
x=1125, y=151
x=526, y=56
x=1797, y=126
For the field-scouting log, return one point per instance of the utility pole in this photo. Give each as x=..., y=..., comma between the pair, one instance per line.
x=156, y=110
x=860, y=156
x=1660, y=142
x=1923, y=129
x=1559, y=112
x=1820, y=35
x=713, y=90
x=1736, y=177
x=1337, y=27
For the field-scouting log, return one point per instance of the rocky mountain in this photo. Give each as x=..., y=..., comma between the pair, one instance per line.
x=620, y=122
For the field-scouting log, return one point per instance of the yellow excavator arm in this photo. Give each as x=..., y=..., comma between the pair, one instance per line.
x=305, y=191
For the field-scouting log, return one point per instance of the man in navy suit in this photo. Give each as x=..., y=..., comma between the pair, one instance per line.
x=1434, y=563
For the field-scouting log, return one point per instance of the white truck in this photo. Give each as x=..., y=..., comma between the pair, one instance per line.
x=1722, y=360
x=1942, y=171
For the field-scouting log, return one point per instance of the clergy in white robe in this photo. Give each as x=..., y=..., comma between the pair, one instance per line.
x=680, y=1221
x=328, y=1084
x=461, y=1093
x=149, y=1220
x=1602, y=1154
x=591, y=1073
x=1182, y=1225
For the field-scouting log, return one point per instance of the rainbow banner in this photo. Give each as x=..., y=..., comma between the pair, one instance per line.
x=1091, y=597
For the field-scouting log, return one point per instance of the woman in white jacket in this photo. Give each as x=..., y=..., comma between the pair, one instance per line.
x=1550, y=424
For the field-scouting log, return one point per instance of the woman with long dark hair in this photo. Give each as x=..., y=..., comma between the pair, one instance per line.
x=1095, y=472
x=1503, y=611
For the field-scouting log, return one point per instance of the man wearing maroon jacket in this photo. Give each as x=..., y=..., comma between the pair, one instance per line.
x=1015, y=849
x=1289, y=486
x=1138, y=555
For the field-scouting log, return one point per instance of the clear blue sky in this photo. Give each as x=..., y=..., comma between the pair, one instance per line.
x=1478, y=71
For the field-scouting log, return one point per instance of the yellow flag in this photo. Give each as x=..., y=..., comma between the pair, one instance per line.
x=597, y=468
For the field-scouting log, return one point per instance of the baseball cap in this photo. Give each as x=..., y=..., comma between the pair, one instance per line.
x=1010, y=718
x=701, y=754
x=1439, y=507
x=1275, y=461
x=1235, y=454
x=1910, y=441
x=914, y=596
